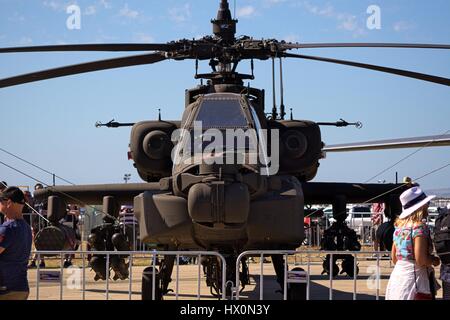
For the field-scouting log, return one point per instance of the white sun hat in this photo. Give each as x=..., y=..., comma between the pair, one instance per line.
x=412, y=200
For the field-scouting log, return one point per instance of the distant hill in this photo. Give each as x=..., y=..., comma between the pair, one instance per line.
x=441, y=193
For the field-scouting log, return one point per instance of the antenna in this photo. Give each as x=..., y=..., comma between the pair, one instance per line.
x=282, y=107
x=234, y=13
x=274, y=109
x=196, y=67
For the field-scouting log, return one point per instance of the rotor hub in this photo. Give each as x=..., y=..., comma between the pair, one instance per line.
x=224, y=27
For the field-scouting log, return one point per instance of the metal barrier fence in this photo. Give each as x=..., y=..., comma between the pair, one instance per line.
x=132, y=255
x=287, y=280
x=308, y=260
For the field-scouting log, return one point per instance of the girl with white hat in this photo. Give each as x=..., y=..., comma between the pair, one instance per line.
x=412, y=251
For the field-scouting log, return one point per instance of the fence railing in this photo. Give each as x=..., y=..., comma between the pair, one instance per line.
x=131, y=255
x=308, y=260
x=378, y=256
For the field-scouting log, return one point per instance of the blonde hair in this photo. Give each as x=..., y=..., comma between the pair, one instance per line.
x=413, y=220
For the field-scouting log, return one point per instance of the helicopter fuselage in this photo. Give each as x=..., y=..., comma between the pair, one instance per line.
x=230, y=177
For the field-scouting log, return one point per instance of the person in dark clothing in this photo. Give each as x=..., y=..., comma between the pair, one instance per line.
x=445, y=267
x=3, y=186
x=38, y=224
x=71, y=220
x=15, y=246
x=26, y=211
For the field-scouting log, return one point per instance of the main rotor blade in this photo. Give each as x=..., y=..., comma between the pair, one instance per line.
x=416, y=142
x=404, y=73
x=111, y=47
x=83, y=68
x=365, y=45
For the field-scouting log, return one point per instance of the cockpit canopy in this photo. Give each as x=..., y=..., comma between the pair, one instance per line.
x=218, y=124
x=222, y=111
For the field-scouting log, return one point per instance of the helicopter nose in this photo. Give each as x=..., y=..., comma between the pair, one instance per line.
x=218, y=203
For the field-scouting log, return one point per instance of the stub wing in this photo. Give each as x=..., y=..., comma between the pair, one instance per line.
x=93, y=194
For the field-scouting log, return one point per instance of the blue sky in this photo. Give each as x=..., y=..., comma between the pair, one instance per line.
x=52, y=122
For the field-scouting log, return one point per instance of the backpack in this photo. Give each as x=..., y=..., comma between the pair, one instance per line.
x=442, y=237
x=385, y=235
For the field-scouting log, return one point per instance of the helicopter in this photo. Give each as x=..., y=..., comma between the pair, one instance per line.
x=192, y=197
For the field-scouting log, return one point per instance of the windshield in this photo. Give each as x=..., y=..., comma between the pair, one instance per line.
x=222, y=113
x=220, y=126
x=223, y=139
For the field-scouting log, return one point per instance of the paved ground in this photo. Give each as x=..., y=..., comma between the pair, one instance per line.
x=343, y=286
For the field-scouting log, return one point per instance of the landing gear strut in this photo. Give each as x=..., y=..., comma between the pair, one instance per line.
x=212, y=267
x=157, y=281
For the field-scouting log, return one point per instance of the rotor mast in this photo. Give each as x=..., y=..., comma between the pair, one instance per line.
x=225, y=62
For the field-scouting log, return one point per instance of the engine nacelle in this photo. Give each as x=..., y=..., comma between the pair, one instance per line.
x=300, y=147
x=151, y=149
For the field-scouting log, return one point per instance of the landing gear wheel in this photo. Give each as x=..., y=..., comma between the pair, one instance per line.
x=296, y=291
x=147, y=284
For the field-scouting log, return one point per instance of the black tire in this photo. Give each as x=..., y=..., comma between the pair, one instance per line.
x=147, y=285
x=51, y=238
x=297, y=291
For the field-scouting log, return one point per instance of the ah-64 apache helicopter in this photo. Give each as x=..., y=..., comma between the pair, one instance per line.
x=215, y=205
